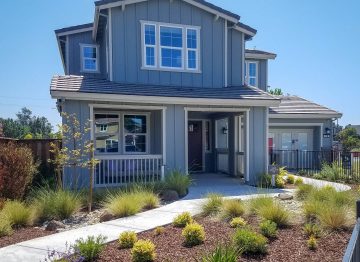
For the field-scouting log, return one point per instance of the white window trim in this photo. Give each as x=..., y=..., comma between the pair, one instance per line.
x=82, y=58
x=147, y=134
x=247, y=76
x=118, y=133
x=103, y=128
x=148, y=45
x=210, y=135
x=184, y=49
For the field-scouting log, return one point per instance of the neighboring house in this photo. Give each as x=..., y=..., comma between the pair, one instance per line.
x=167, y=85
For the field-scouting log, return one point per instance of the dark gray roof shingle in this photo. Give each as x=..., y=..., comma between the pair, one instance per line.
x=210, y=5
x=258, y=52
x=92, y=85
x=297, y=105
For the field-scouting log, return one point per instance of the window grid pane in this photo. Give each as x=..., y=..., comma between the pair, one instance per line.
x=89, y=62
x=135, y=129
x=171, y=37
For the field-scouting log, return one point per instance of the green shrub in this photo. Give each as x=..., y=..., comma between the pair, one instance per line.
x=333, y=217
x=312, y=230
x=232, y=208
x=127, y=239
x=159, y=231
x=237, y=222
x=279, y=181
x=311, y=209
x=250, y=242
x=276, y=214
x=194, y=234
x=222, y=254
x=322, y=194
x=5, y=227
x=257, y=203
x=212, y=204
x=299, y=181
x=52, y=204
x=331, y=172
x=282, y=171
x=303, y=191
x=91, y=247
x=182, y=220
x=17, y=170
x=143, y=251
x=290, y=179
x=312, y=243
x=178, y=182
x=17, y=213
x=268, y=228
x=264, y=181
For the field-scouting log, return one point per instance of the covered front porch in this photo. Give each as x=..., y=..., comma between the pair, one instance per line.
x=141, y=143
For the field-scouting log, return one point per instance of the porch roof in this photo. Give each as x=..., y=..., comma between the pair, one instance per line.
x=295, y=106
x=62, y=85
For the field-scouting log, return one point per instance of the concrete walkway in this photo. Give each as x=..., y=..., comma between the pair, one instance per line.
x=37, y=249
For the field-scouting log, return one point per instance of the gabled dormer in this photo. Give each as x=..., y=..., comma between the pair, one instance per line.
x=189, y=43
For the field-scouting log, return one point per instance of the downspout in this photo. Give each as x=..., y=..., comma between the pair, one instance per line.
x=226, y=54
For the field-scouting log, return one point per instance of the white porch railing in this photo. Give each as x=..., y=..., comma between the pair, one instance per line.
x=119, y=170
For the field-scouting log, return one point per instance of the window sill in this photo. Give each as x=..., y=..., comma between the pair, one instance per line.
x=174, y=70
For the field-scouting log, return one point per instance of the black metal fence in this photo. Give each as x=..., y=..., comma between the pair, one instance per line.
x=352, y=253
x=345, y=164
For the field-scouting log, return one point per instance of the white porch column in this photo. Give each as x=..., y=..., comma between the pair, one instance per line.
x=247, y=152
x=163, y=116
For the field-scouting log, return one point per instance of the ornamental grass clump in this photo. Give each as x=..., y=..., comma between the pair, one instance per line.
x=17, y=213
x=194, y=234
x=312, y=230
x=55, y=204
x=143, y=251
x=238, y=222
x=290, y=179
x=268, y=229
x=303, y=191
x=178, y=182
x=182, y=220
x=257, y=203
x=5, y=227
x=91, y=247
x=222, y=253
x=250, y=242
x=159, y=231
x=333, y=217
x=212, y=204
x=298, y=181
x=276, y=213
x=127, y=239
x=232, y=208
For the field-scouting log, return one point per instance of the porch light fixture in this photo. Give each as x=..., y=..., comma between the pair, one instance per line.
x=327, y=131
x=225, y=130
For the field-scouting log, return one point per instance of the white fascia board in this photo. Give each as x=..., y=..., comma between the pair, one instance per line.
x=61, y=54
x=243, y=30
x=96, y=22
x=76, y=31
x=162, y=99
x=259, y=56
x=301, y=116
x=120, y=3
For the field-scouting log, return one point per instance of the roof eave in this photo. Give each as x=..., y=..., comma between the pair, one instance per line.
x=260, y=56
x=74, y=95
x=304, y=116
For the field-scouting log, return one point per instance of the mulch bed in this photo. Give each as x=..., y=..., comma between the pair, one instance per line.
x=291, y=244
x=23, y=234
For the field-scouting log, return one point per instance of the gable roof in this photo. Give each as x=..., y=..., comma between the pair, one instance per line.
x=80, y=86
x=199, y=2
x=295, y=106
x=259, y=54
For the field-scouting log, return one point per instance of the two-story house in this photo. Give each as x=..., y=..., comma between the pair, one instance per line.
x=167, y=84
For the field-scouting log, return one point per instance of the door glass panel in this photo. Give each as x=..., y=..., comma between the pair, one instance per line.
x=286, y=141
x=302, y=141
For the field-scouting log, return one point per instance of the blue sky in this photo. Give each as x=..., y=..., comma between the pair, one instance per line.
x=317, y=43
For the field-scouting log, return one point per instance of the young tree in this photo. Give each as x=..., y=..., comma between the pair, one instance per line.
x=77, y=152
x=276, y=92
x=349, y=139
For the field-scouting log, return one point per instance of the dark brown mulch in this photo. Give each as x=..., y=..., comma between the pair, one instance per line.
x=291, y=245
x=23, y=234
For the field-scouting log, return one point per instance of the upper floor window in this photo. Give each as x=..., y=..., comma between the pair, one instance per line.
x=171, y=47
x=90, y=58
x=251, y=69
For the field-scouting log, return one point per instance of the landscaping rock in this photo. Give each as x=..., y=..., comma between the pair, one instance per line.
x=284, y=196
x=106, y=216
x=54, y=225
x=170, y=195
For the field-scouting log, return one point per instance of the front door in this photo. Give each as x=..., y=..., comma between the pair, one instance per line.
x=195, y=147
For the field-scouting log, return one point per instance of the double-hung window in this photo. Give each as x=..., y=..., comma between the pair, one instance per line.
x=171, y=47
x=251, y=69
x=89, y=58
x=135, y=133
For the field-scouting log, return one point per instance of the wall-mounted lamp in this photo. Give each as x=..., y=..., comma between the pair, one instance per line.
x=225, y=130
x=327, y=131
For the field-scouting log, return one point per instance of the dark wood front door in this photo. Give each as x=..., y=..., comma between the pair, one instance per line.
x=195, y=147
